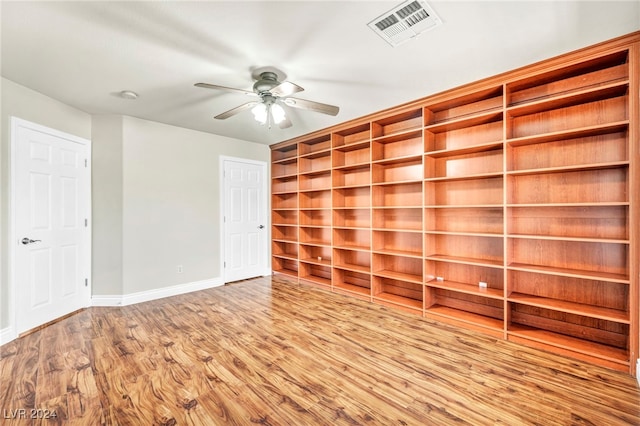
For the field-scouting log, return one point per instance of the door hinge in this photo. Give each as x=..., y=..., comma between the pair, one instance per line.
x=85, y=163
x=86, y=282
x=86, y=223
x=224, y=264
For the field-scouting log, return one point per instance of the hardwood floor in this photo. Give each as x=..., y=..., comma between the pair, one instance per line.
x=275, y=353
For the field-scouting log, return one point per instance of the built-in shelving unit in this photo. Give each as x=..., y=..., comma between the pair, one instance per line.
x=509, y=206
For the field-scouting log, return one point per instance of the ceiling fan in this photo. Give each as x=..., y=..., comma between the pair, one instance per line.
x=272, y=93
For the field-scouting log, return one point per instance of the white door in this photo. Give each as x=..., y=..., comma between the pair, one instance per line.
x=51, y=206
x=245, y=220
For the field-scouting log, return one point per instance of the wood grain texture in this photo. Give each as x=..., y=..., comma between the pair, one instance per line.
x=271, y=352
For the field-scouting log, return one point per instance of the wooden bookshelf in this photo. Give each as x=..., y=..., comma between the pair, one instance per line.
x=510, y=206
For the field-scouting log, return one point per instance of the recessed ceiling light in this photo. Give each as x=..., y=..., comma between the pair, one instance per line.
x=128, y=94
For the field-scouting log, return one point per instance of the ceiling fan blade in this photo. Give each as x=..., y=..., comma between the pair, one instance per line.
x=236, y=110
x=312, y=106
x=285, y=124
x=228, y=89
x=286, y=88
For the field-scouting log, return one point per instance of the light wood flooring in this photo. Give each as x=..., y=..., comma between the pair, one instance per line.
x=275, y=353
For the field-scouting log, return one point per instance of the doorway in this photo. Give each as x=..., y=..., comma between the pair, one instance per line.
x=50, y=230
x=244, y=217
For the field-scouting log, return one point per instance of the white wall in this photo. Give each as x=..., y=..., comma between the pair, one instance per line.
x=171, y=200
x=21, y=102
x=106, y=168
x=155, y=195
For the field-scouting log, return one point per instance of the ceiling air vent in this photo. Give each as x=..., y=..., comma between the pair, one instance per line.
x=405, y=21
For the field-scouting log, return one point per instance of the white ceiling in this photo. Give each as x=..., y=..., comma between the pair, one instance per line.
x=84, y=53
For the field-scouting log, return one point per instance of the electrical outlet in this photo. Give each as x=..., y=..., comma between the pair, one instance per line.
x=439, y=279
x=482, y=284
x=179, y=269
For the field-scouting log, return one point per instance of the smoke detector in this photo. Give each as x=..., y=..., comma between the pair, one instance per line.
x=405, y=21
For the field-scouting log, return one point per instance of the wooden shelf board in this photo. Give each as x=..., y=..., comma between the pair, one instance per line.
x=342, y=208
x=353, y=267
x=366, y=291
x=284, y=176
x=569, y=99
x=465, y=260
x=465, y=234
x=586, y=347
x=313, y=261
x=397, y=160
x=466, y=177
x=574, y=273
x=353, y=146
x=316, y=280
x=608, y=314
x=325, y=152
x=490, y=146
x=283, y=192
x=316, y=172
x=327, y=188
x=397, y=207
x=382, y=207
x=405, y=253
x=561, y=238
x=493, y=293
x=285, y=240
x=316, y=243
x=466, y=317
x=352, y=166
x=412, y=230
x=362, y=228
x=285, y=271
x=463, y=206
x=396, y=182
x=315, y=226
x=467, y=120
x=398, y=229
x=287, y=256
x=399, y=300
x=604, y=204
x=352, y=247
x=575, y=168
x=580, y=132
x=403, y=276
x=287, y=160
x=417, y=130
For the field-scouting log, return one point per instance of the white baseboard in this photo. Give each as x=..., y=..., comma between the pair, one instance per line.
x=638, y=371
x=99, y=300
x=146, y=296
x=7, y=335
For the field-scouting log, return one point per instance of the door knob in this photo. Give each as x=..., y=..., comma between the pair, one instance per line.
x=26, y=241
x=260, y=226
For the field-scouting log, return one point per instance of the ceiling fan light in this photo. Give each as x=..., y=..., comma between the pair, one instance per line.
x=277, y=112
x=260, y=113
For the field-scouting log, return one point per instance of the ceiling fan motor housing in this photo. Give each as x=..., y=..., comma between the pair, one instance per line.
x=268, y=80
